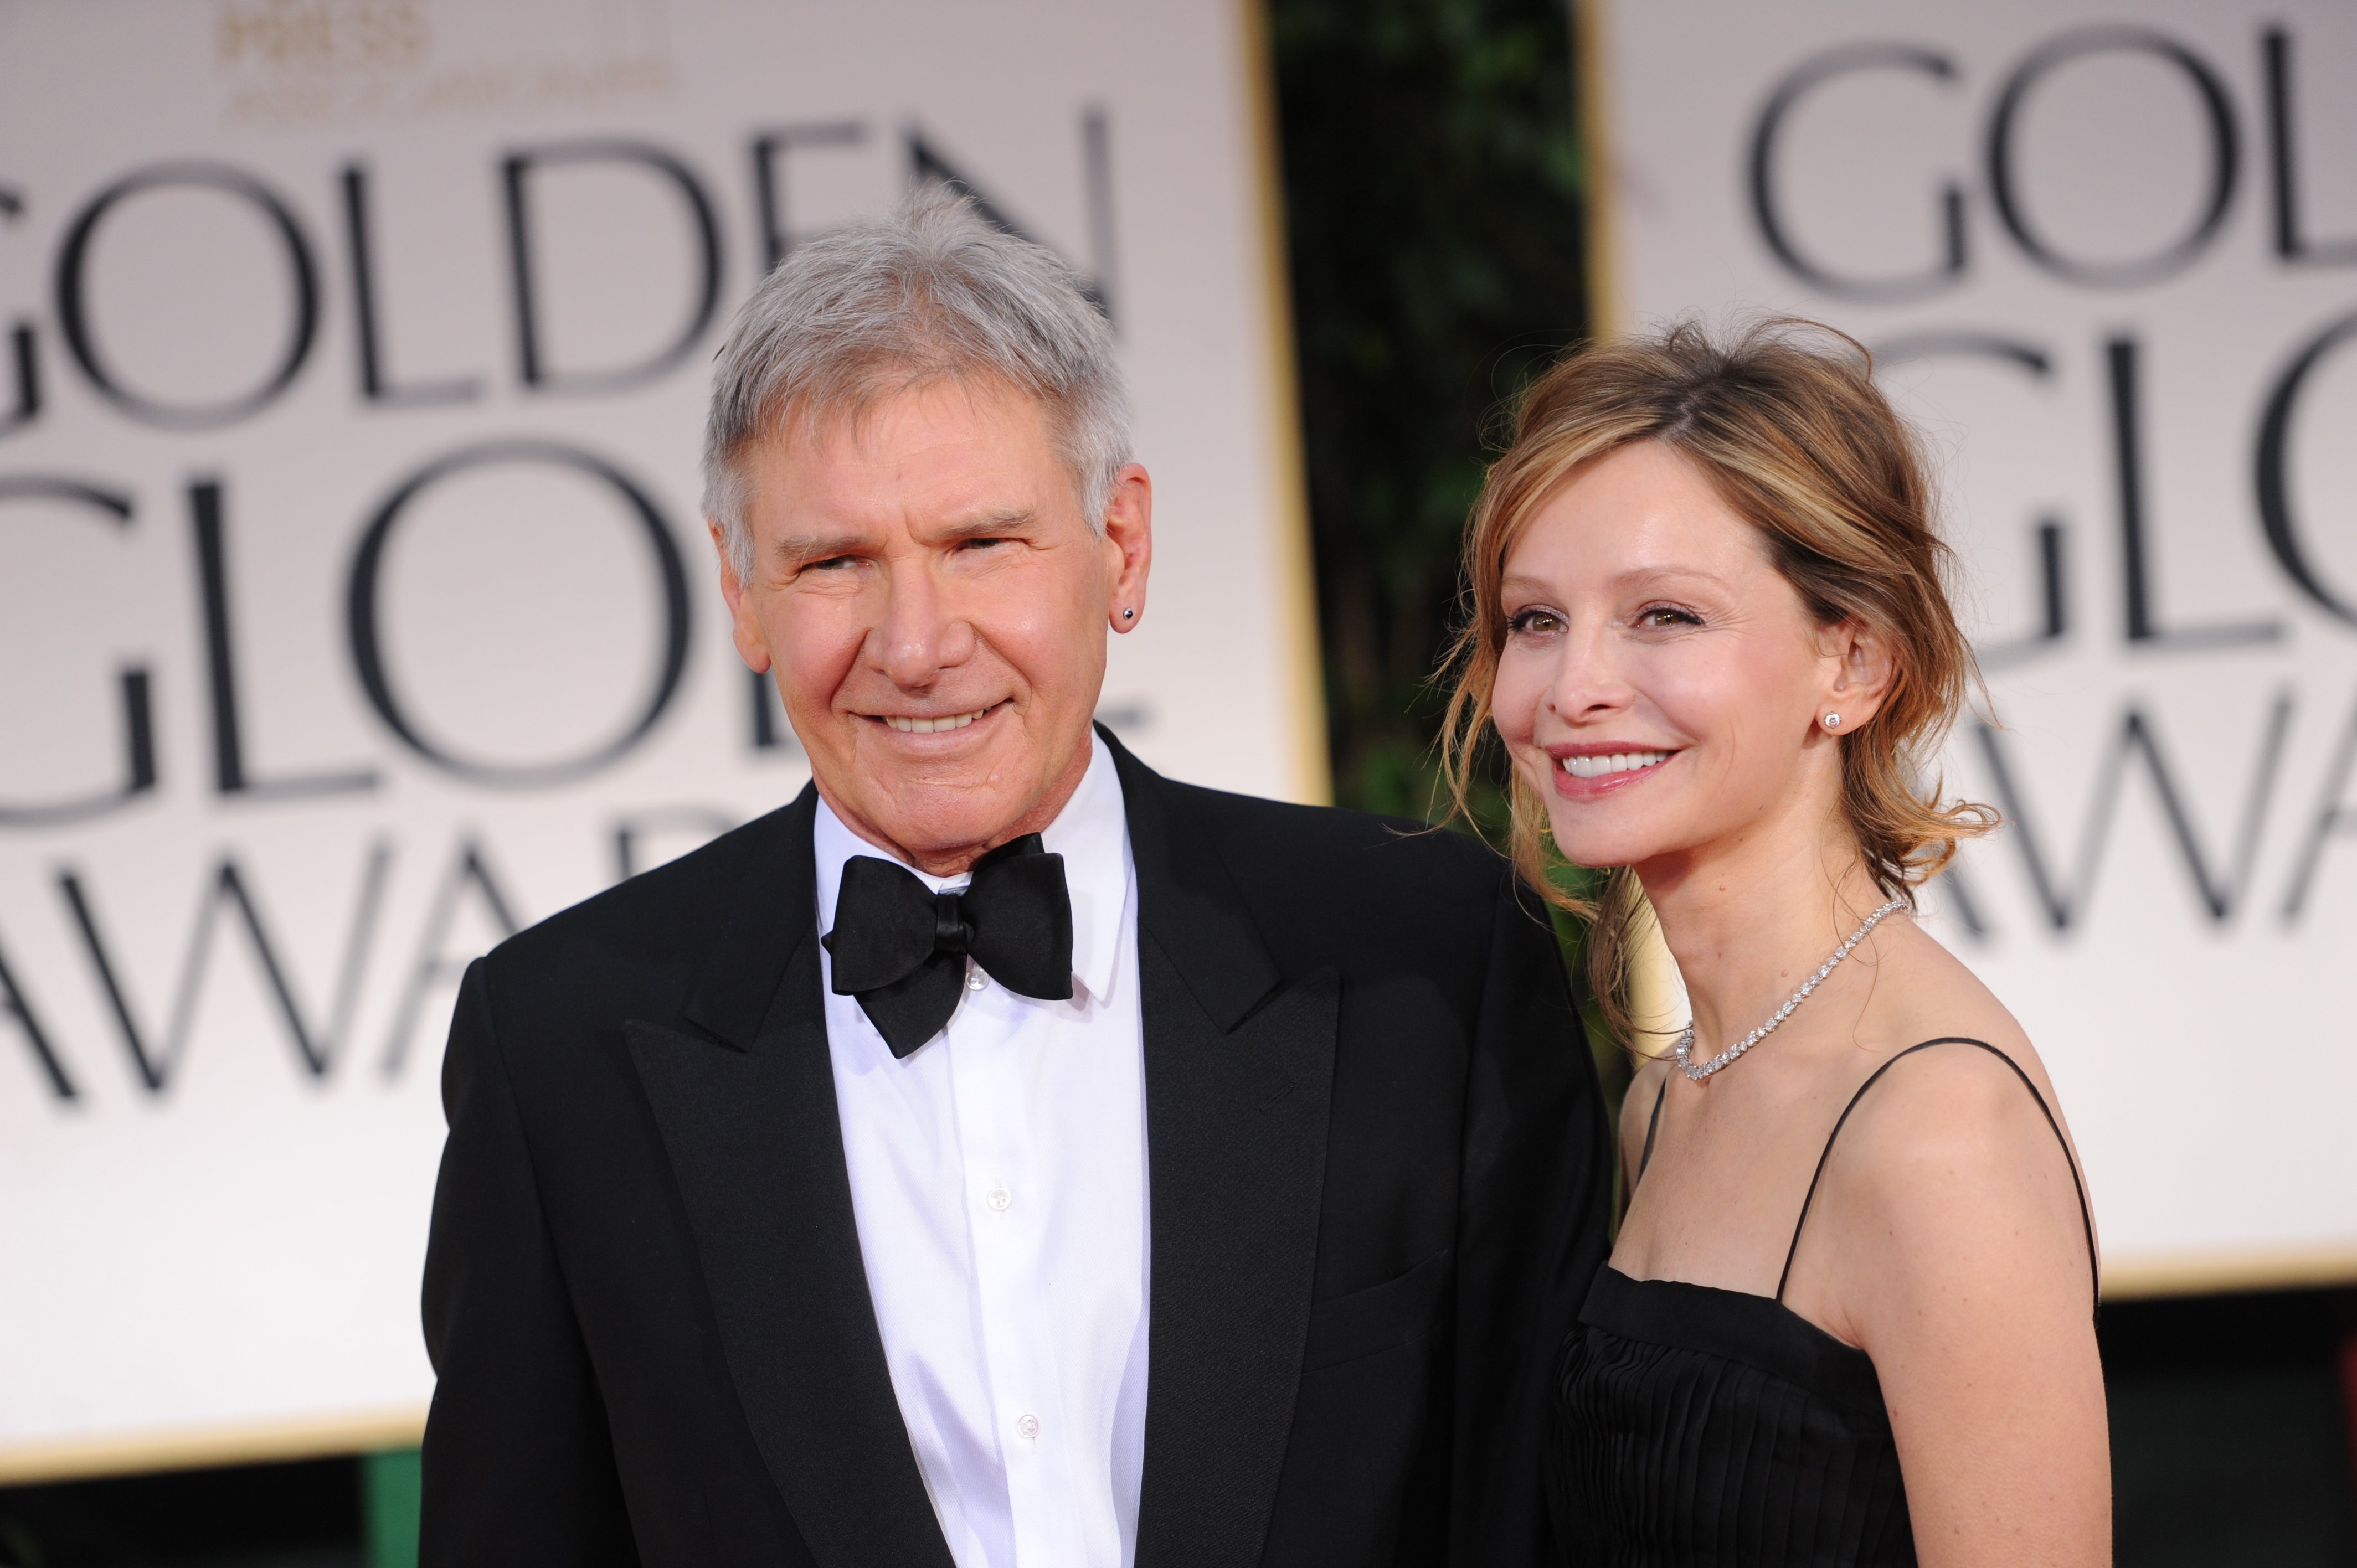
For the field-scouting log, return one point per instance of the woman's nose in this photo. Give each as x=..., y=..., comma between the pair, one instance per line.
x=1589, y=678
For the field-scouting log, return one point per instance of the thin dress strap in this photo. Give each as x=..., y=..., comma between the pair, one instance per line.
x=1652, y=1127
x=2086, y=1216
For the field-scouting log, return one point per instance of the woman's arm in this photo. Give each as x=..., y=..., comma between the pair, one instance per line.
x=1948, y=1240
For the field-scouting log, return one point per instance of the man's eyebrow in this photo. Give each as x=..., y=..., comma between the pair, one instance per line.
x=989, y=523
x=817, y=546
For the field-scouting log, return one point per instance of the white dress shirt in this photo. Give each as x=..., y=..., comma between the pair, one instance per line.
x=999, y=1178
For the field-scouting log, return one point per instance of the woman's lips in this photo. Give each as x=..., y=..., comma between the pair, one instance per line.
x=1591, y=775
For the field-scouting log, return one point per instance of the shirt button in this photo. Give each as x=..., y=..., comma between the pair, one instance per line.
x=975, y=981
x=1028, y=1425
x=1001, y=1200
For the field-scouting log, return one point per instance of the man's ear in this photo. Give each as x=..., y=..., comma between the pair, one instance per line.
x=743, y=629
x=1129, y=546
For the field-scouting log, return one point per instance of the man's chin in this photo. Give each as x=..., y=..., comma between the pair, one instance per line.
x=941, y=809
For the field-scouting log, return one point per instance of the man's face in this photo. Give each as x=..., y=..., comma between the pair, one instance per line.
x=934, y=605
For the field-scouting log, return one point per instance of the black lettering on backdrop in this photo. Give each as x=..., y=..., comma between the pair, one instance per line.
x=376, y=378
x=25, y=405
x=367, y=639
x=316, y=1046
x=2220, y=890
x=2053, y=592
x=771, y=151
x=1096, y=186
x=2274, y=469
x=15, y=1005
x=73, y=301
x=2336, y=816
x=531, y=356
x=1956, y=883
x=2137, y=572
x=139, y=721
x=1939, y=274
x=2292, y=242
x=434, y=967
x=927, y=166
x=2005, y=187
x=229, y=774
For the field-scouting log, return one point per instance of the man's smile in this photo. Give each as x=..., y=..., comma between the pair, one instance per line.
x=934, y=724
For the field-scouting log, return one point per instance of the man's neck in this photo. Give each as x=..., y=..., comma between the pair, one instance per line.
x=935, y=860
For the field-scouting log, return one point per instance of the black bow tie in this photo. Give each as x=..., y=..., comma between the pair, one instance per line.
x=900, y=948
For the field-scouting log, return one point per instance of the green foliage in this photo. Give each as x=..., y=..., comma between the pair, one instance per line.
x=391, y=1484
x=1433, y=207
x=1433, y=187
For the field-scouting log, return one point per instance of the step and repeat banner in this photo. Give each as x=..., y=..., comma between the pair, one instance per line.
x=2106, y=256
x=355, y=609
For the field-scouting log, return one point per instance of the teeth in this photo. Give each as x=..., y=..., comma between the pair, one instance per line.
x=928, y=726
x=1616, y=762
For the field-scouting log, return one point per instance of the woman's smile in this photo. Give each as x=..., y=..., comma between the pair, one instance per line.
x=1592, y=770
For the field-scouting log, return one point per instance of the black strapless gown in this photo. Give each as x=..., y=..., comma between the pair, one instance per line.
x=1702, y=1427
x=1709, y=1426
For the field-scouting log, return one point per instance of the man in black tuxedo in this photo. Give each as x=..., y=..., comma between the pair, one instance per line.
x=1002, y=1155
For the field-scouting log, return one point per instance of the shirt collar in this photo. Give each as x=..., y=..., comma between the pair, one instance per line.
x=1092, y=833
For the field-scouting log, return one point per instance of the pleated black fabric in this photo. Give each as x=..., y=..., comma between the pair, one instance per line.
x=1697, y=1426
x=1709, y=1426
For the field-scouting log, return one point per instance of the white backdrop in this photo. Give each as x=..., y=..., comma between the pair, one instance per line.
x=354, y=609
x=2107, y=254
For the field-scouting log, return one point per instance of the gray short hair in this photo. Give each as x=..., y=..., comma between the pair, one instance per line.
x=931, y=292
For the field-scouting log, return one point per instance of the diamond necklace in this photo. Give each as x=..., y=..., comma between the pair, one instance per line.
x=1700, y=1070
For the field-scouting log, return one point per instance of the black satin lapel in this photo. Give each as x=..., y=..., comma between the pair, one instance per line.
x=772, y=912
x=1236, y=1127
x=755, y=1141
x=1186, y=900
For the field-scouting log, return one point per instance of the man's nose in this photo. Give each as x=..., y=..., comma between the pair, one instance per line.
x=922, y=632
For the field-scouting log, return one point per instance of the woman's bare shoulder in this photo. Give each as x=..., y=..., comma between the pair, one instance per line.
x=1952, y=1159
x=1933, y=995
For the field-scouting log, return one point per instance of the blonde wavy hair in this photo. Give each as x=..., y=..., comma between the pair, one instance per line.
x=1784, y=420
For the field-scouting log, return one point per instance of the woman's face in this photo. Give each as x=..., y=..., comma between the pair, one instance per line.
x=1662, y=683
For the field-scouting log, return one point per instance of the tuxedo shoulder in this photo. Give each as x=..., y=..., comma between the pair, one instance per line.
x=1336, y=853
x=653, y=930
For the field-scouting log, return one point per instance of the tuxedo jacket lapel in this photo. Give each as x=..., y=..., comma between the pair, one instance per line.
x=1239, y=1081
x=1239, y=1084
x=746, y=1106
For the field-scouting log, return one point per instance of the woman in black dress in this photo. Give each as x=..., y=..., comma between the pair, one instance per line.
x=1849, y=1315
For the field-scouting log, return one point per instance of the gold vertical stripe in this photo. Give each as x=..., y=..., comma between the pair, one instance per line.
x=1591, y=83
x=1302, y=685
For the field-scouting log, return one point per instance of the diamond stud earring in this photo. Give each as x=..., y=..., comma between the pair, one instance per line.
x=1833, y=721
x=1129, y=615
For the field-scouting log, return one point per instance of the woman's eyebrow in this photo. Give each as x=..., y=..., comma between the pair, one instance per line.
x=1654, y=576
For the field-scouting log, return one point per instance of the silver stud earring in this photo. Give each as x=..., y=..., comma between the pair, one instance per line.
x=1833, y=721
x=1129, y=615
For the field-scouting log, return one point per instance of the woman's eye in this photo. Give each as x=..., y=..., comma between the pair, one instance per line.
x=1665, y=616
x=1534, y=623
